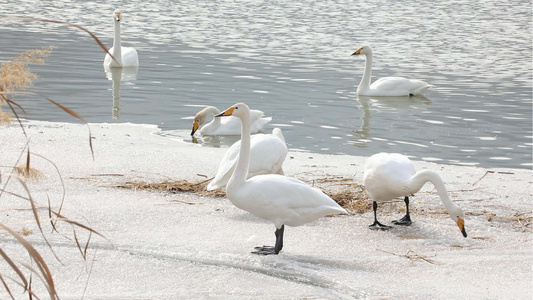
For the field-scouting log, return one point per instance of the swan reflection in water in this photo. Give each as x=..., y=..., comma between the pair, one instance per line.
x=391, y=104
x=117, y=75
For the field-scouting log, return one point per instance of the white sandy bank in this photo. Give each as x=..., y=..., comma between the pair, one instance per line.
x=159, y=248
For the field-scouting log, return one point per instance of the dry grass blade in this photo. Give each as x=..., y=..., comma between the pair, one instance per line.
x=76, y=115
x=41, y=264
x=411, y=255
x=6, y=287
x=60, y=179
x=63, y=219
x=28, y=172
x=7, y=100
x=13, y=266
x=34, y=210
x=78, y=243
x=64, y=23
x=67, y=110
x=10, y=103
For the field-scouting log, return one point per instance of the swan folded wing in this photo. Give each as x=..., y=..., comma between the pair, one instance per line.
x=257, y=121
x=258, y=125
x=227, y=165
x=267, y=154
x=228, y=126
x=130, y=58
x=285, y=200
x=386, y=175
x=398, y=86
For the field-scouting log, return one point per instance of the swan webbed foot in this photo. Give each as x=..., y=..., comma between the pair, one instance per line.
x=269, y=250
x=405, y=221
x=265, y=250
x=378, y=226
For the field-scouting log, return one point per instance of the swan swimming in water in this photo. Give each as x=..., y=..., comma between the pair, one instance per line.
x=124, y=56
x=226, y=126
x=387, y=86
x=267, y=153
x=279, y=199
x=391, y=175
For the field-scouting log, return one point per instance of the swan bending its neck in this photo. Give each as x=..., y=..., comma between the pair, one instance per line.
x=420, y=178
x=391, y=175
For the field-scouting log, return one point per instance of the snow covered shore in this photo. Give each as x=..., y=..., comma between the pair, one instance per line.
x=171, y=246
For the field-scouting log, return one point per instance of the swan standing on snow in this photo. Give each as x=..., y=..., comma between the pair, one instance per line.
x=124, y=56
x=391, y=175
x=226, y=126
x=386, y=86
x=267, y=153
x=279, y=199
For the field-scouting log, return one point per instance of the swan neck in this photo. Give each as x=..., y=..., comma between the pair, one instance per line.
x=241, y=170
x=215, y=123
x=421, y=177
x=365, y=81
x=117, y=44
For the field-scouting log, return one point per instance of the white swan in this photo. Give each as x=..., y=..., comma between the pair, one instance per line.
x=387, y=86
x=124, y=56
x=391, y=175
x=267, y=152
x=279, y=199
x=226, y=126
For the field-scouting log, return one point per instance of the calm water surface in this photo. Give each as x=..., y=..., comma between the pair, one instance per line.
x=292, y=60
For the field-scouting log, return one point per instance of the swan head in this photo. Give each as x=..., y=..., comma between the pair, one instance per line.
x=199, y=120
x=117, y=15
x=201, y=116
x=237, y=110
x=458, y=216
x=363, y=50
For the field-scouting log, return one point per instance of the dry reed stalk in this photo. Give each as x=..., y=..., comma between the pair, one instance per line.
x=15, y=76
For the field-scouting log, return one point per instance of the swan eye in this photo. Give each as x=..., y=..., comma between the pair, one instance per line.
x=236, y=107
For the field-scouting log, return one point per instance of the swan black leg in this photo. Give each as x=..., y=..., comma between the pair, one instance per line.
x=269, y=250
x=406, y=220
x=376, y=225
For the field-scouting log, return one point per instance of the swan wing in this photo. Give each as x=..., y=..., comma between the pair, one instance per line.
x=228, y=126
x=226, y=167
x=267, y=154
x=397, y=86
x=130, y=58
x=232, y=125
x=258, y=121
x=284, y=200
x=386, y=175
